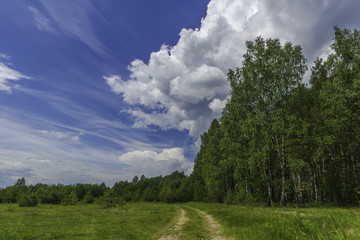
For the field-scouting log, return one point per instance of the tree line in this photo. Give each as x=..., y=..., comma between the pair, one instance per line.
x=175, y=187
x=278, y=141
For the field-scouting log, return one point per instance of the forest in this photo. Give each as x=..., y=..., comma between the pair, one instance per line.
x=278, y=141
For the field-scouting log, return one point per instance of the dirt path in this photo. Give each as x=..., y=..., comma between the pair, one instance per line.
x=177, y=227
x=213, y=226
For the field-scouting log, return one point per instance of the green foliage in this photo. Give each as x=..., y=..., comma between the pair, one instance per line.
x=70, y=199
x=148, y=195
x=89, y=198
x=231, y=198
x=110, y=200
x=28, y=200
x=166, y=194
x=280, y=142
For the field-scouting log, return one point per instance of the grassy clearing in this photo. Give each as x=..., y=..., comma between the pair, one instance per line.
x=152, y=220
x=131, y=221
x=240, y=222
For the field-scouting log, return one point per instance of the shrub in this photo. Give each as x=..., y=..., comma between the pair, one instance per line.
x=88, y=198
x=230, y=198
x=28, y=200
x=70, y=199
x=111, y=200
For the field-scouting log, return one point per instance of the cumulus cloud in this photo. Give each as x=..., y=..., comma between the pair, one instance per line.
x=184, y=86
x=217, y=106
x=7, y=75
x=151, y=163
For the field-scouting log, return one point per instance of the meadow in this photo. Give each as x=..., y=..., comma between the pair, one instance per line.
x=131, y=221
x=156, y=220
x=246, y=222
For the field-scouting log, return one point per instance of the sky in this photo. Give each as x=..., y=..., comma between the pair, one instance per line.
x=101, y=91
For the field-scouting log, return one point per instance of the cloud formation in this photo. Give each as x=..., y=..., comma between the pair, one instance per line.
x=52, y=156
x=151, y=163
x=8, y=75
x=184, y=86
x=62, y=155
x=47, y=150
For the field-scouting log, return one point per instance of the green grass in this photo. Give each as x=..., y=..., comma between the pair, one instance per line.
x=240, y=222
x=152, y=220
x=195, y=227
x=131, y=221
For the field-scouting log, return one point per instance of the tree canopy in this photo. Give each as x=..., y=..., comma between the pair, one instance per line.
x=279, y=141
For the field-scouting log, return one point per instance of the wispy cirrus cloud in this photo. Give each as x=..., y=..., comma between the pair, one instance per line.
x=50, y=156
x=42, y=22
x=8, y=76
x=48, y=152
x=63, y=156
x=62, y=135
x=73, y=18
x=85, y=149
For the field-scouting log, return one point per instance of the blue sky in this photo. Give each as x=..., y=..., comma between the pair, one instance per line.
x=101, y=91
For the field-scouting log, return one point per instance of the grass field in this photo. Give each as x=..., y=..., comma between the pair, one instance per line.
x=239, y=222
x=153, y=220
x=131, y=221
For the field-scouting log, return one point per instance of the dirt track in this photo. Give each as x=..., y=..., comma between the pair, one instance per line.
x=177, y=227
x=212, y=226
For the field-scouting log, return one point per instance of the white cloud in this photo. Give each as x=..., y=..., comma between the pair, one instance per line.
x=151, y=163
x=42, y=22
x=190, y=87
x=217, y=106
x=184, y=86
x=7, y=75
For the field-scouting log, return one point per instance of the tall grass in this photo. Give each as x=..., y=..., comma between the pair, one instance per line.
x=241, y=222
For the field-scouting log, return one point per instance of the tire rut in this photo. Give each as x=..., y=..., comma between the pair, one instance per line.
x=177, y=227
x=213, y=225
